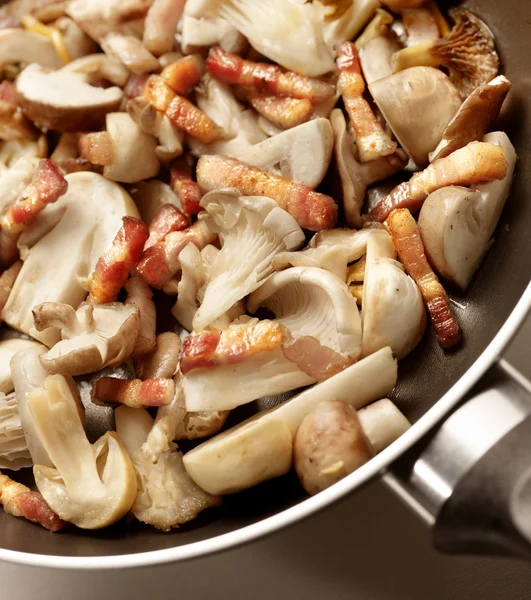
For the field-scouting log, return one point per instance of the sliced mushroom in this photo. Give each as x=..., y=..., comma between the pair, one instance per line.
x=241, y=456
x=12, y=150
x=312, y=302
x=130, y=51
x=95, y=336
x=77, y=42
x=418, y=104
x=79, y=227
x=91, y=486
x=151, y=196
x=14, y=451
x=8, y=348
x=383, y=423
x=100, y=66
x=375, y=57
x=64, y=100
x=20, y=46
x=457, y=223
x=254, y=230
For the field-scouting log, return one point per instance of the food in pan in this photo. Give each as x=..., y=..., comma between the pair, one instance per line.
x=304, y=181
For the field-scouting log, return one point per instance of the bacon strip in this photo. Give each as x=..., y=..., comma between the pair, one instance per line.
x=7, y=281
x=371, y=139
x=114, y=265
x=184, y=74
x=183, y=185
x=157, y=93
x=266, y=78
x=193, y=121
x=408, y=244
x=312, y=210
x=283, y=111
x=47, y=185
x=476, y=163
x=134, y=393
x=169, y=218
x=96, y=148
x=160, y=263
x=8, y=92
x=20, y=501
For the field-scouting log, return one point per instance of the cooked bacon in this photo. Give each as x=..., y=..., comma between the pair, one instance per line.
x=134, y=393
x=183, y=185
x=135, y=85
x=114, y=265
x=157, y=93
x=161, y=24
x=96, y=148
x=408, y=244
x=7, y=281
x=159, y=263
x=20, y=501
x=162, y=361
x=283, y=111
x=139, y=293
x=476, y=163
x=184, y=74
x=232, y=345
x=47, y=186
x=265, y=78
x=312, y=210
x=193, y=121
x=169, y=218
x=317, y=361
x=371, y=140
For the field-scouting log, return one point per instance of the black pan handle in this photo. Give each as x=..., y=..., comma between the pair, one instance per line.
x=470, y=479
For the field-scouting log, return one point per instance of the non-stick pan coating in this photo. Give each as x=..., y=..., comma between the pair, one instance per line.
x=425, y=375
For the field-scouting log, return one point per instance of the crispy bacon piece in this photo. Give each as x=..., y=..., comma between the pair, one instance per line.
x=265, y=78
x=371, y=139
x=159, y=263
x=283, y=111
x=114, y=265
x=7, y=281
x=135, y=85
x=408, y=244
x=96, y=148
x=476, y=163
x=169, y=218
x=157, y=93
x=185, y=187
x=184, y=74
x=314, y=359
x=312, y=210
x=47, y=185
x=134, y=393
x=193, y=121
x=139, y=293
x=160, y=25
x=20, y=501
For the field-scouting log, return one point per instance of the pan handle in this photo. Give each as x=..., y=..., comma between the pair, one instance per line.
x=470, y=479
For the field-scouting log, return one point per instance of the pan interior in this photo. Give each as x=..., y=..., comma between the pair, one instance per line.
x=424, y=376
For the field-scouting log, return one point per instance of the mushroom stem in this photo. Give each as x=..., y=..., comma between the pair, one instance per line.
x=134, y=393
x=7, y=281
x=378, y=26
x=161, y=24
x=162, y=361
x=139, y=293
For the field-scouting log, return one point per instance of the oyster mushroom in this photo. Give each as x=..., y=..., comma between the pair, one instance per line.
x=95, y=336
x=312, y=302
x=393, y=312
x=241, y=457
x=79, y=227
x=14, y=451
x=192, y=279
x=100, y=66
x=468, y=52
x=167, y=496
x=162, y=361
x=457, y=223
x=64, y=100
x=354, y=175
x=375, y=57
x=418, y=104
x=91, y=486
x=130, y=51
x=20, y=46
x=8, y=348
x=253, y=229
x=343, y=25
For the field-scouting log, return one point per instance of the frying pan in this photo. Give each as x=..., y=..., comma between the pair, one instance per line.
x=465, y=464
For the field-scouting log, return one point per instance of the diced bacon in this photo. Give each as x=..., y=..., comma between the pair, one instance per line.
x=96, y=148
x=47, y=185
x=169, y=218
x=135, y=85
x=193, y=121
x=161, y=24
x=183, y=185
x=371, y=140
x=157, y=93
x=184, y=74
x=7, y=281
x=20, y=501
x=282, y=111
x=476, y=163
x=264, y=77
x=408, y=244
x=230, y=346
x=114, y=266
x=159, y=263
x=139, y=293
x=134, y=393
x=317, y=361
x=312, y=210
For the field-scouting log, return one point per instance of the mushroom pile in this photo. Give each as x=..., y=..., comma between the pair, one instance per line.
x=297, y=178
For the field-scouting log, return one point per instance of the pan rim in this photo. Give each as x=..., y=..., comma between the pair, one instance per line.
x=308, y=506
